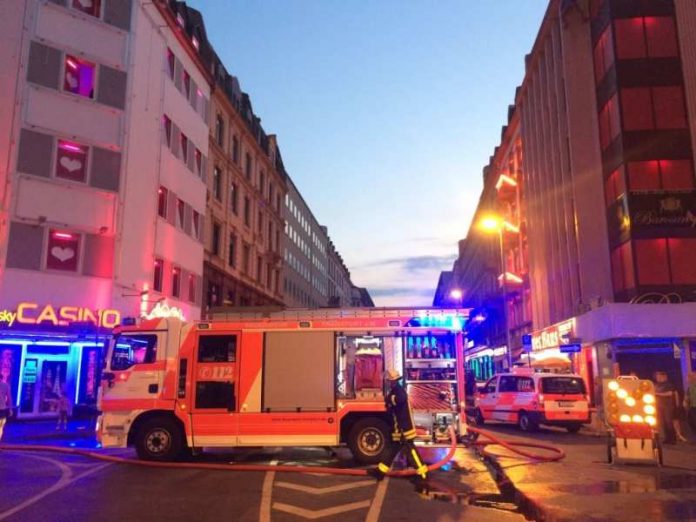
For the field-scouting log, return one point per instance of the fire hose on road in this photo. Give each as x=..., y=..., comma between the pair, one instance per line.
x=493, y=440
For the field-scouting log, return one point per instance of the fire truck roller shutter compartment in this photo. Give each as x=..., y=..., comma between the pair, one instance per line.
x=299, y=371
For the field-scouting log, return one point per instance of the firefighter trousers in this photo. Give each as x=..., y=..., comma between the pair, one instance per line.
x=412, y=456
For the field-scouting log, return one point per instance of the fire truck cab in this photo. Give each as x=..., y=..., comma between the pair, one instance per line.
x=289, y=378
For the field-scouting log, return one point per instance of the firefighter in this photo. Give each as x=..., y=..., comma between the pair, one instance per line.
x=403, y=430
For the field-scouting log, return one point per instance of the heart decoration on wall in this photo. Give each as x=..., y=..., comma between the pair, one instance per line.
x=71, y=80
x=63, y=254
x=71, y=165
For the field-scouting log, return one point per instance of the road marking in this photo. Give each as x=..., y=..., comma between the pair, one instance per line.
x=266, y=492
x=377, y=501
x=320, y=513
x=323, y=491
x=65, y=480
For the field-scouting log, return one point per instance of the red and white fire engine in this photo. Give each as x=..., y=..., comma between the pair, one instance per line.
x=285, y=378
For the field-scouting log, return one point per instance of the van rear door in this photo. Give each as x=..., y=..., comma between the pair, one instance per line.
x=564, y=397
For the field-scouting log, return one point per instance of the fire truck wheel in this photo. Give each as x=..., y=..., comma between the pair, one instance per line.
x=159, y=439
x=526, y=423
x=368, y=439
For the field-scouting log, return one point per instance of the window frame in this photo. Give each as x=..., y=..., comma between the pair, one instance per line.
x=50, y=245
x=162, y=201
x=95, y=76
x=158, y=275
x=85, y=150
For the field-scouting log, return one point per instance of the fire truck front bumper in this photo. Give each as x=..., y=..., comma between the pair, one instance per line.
x=112, y=430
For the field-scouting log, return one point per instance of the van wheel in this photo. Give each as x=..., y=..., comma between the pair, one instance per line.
x=574, y=428
x=526, y=423
x=159, y=439
x=368, y=440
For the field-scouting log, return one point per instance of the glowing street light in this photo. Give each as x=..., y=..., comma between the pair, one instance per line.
x=456, y=294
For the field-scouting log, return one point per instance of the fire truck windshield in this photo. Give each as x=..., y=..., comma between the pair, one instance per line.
x=131, y=349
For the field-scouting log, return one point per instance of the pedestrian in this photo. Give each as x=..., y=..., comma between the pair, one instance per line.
x=679, y=414
x=690, y=402
x=63, y=408
x=664, y=392
x=5, y=403
x=403, y=430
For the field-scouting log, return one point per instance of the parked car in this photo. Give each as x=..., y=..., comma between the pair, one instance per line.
x=529, y=399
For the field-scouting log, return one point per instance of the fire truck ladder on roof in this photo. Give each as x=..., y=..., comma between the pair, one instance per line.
x=306, y=314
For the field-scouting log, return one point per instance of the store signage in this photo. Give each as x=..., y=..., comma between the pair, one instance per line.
x=570, y=348
x=164, y=311
x=35, y=314
x=669, y=209
x=553, y=336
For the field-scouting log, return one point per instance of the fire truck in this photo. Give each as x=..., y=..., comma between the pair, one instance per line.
x=284, y=378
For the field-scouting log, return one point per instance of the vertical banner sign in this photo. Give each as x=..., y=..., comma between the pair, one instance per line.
x=692, y=353
x=29, y=376
x=10, y=356
x=89, y=375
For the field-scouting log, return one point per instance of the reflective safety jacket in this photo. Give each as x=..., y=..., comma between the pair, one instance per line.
x=400, y=410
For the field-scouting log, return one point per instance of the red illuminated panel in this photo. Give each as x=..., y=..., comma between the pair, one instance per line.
x=603, y=54
x=662, y=36
x=637, y=109
x=670, y=110
x=614, y=186
x=609, y=122
x=63, y=251
x=651, y=261
x=79, y=76
x=681, y=254
x=71, y=161
x=677, y=174
x=643, y=175
x=630, y=38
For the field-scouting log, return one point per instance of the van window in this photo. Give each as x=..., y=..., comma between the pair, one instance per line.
x=217, y=348
x=490, y=386
x=525, y=384
x=508, y=384
x=131, y=349
x=563, y=385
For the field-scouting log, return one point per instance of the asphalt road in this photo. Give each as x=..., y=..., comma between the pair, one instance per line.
x=46, y=486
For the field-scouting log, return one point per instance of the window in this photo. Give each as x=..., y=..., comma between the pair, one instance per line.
x=247, y=211
x=170, y=63
x=609, y=122
x=180, y=212
x=215, y=395
x=269, y=276
x=277, y=241
x=235, y=149
x=187, y=84
x=176, y=282
x=563, y=385
x=157, y=276
x=271, y=192
x=247, y=169
x=660, y=175
x=192, y=288
x=71, y=161
x=234, y=198
x=219, y=130
x=651, y=261
x=653, y=108
x=196, y=43
x=79, y=76
x=196, y=225
x=232, y=251
x=246, y=255
x=183, y=142
x=212, y=294
x=603, y=54
x=262, y=183
x=259, y=223
x=622, y=267
x=653, y=37
x=681, y=255
x=270, y=234
x=217, y=348
x=278, y=202
x=131, y=349
x=216, y=239
x=199, y=163
x=217, y=184
x=90, y=7
x=490, y=386
x=259, y=267
x=63, y=251
x=168, y=131
x=162, y=202
x=180, y=20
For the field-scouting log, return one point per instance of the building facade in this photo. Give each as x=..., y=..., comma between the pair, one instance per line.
x=602, y=189
x=95, y=124
x=338, y=279
x=246, y=190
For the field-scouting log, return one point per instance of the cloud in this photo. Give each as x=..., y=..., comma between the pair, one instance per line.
x=401, y=291
x=416, y=263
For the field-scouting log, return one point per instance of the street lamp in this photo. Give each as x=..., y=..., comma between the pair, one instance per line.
x=493, y=224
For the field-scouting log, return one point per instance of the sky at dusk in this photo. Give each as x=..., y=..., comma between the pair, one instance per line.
x=386, y=112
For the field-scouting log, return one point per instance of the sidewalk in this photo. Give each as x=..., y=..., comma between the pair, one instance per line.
x=584, y=487
x=44, y=432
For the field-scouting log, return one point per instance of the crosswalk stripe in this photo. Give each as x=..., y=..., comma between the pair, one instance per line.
x=313, y=514
x=323, y=491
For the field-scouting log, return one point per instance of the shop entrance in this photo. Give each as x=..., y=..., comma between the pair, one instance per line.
x=47, y=372
x=644, y=362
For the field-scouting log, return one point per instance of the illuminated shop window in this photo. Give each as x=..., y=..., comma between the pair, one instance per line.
x=71, y=161
x=63, y=251
x=162, y=202
x=176, y=282
x=157, y=276
x=79, y=77
x=90, y=7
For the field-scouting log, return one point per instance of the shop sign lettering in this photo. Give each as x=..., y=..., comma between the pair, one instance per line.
x=34, y=314
x=553, y=336
x=666, y=210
